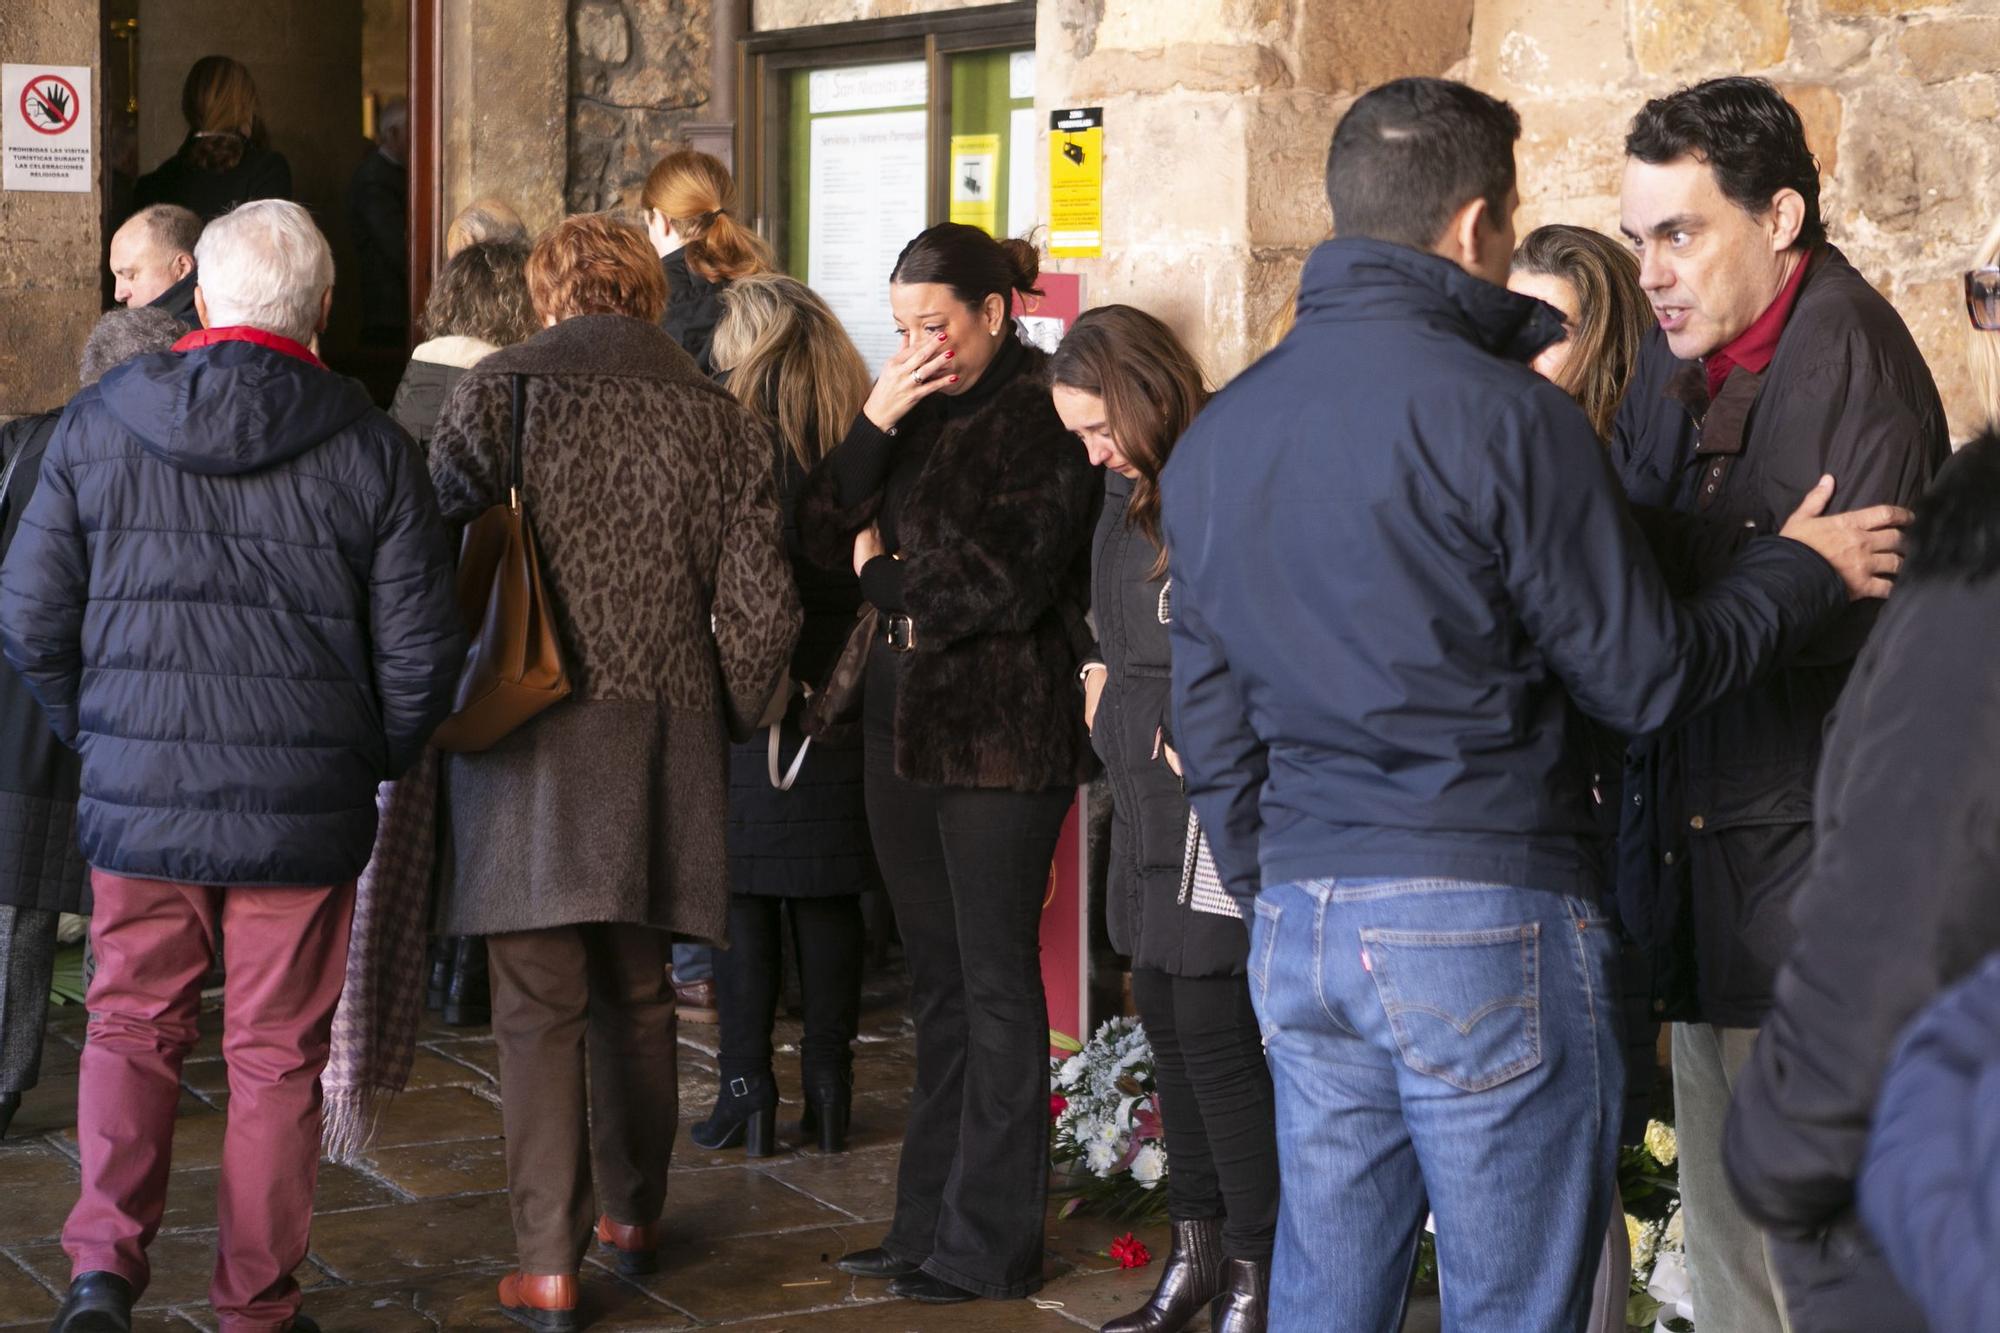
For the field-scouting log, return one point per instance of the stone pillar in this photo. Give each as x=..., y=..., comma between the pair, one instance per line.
x=505, y=105
x=1217, y=118
x=50, y=244
x=715, y=132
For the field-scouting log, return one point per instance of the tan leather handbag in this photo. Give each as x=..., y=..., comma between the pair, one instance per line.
x=514, y=663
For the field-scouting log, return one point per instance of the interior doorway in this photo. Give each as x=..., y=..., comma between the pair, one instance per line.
x=325, y=75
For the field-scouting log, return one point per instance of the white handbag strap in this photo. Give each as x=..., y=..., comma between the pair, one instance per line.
x=784, y=781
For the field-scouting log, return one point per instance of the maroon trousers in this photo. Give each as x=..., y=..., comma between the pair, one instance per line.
x=285, y=953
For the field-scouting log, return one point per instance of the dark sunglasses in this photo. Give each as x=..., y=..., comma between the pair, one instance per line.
x=1982, y=297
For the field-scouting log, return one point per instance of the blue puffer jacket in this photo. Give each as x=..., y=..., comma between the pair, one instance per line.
x=1930, y=1185
x=1404, y=565
x=232, y=594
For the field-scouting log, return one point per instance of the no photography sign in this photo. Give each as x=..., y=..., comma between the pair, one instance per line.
x=45, y=127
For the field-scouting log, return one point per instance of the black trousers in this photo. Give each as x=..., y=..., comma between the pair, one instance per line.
x=1215, y=1097
x=827, y=934
x=967, y=871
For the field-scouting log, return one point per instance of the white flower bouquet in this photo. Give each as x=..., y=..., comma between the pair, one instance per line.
x=1649, y=1183
x=1105, y=1135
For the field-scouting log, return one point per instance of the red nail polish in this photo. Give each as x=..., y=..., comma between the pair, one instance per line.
x=953, y=380
x=943, y=336
x=949, y=355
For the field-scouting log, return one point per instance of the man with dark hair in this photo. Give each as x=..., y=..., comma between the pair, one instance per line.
x=1775, y=362
x=152, y=259
x=1401, y=568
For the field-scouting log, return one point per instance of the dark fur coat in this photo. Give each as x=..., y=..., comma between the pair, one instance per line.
x=995, y=540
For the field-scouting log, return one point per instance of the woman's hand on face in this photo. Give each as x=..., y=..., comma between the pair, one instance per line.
x=867, y=545
x=913, y=374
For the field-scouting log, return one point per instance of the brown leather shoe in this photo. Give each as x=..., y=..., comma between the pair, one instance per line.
x=637, y=1247
x=695, y=1000
x=544, y=1301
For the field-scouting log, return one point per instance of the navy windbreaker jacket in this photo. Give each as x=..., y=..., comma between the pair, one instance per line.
x=1403, y=564
x=233, y=595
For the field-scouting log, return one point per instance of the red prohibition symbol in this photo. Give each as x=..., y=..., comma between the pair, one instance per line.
x=49, y=103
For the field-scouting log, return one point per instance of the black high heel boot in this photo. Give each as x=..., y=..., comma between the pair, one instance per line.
x=1245, y=1306
x=829, y=1108
x=438, y=986
x=1193, y=1277
x=746, y=1112
x=10, y=1102
x=469, y=1003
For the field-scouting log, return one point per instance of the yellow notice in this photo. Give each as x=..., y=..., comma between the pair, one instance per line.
x=1076, y=183
x=975, y=181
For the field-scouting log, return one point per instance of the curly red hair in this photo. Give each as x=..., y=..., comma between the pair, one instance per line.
x=596, y=264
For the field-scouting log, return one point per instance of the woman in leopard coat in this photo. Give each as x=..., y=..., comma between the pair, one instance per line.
x=591, y=836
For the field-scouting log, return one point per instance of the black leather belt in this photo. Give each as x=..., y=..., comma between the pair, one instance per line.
x=899, y=631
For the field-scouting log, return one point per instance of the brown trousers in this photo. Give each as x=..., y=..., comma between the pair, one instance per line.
x=584, y=1020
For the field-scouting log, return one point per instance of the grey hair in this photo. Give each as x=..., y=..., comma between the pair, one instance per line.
x=485, y=220
x=266, y=265
x=122, y=334
x=174, y=229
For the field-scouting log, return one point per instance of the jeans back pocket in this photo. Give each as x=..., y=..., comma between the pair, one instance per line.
x=1464, y=1006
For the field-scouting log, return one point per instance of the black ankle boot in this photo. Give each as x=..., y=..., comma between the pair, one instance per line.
x=1245, y=1306
x=746, y=1112
x=469, y=1004
x=1193, y=1277
x=438, y=986
x=829, y=1109
x=10, y=1102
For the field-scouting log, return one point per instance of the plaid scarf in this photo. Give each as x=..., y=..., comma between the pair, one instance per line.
x=382, y=1000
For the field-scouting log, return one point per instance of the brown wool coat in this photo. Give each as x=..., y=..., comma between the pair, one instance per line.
x=652, y=501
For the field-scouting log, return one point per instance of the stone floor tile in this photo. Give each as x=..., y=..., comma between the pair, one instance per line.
x=756, y=1275
x=860, y=1182
x=182, y=1266
x=191, y=1194
x=415, y=1241
x=38, y=1185
x=469, y=1301
x=711, y=1205
x=23, y=1299
x=1083, y=1242
x=1092, y=1298
x=437, y=1115
x=433, y=1170
x=479, y=1054
x=891, y=1316
x=431, y=1069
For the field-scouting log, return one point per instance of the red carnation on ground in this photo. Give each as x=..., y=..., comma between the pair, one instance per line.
x=1130, y=1251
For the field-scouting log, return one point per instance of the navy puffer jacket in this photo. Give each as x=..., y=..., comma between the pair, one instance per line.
x=232, y=594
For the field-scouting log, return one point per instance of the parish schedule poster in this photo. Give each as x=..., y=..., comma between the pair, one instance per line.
x=867, y=192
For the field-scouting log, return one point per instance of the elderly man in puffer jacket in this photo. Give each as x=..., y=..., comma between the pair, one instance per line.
x=232, y=594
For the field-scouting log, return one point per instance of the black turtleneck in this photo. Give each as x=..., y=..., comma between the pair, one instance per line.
x=870, y=461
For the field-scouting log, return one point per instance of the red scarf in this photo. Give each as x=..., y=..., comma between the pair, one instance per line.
x=243, y=333
x=1753, y=348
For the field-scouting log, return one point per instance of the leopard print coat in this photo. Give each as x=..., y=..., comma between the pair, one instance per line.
x=653, y=506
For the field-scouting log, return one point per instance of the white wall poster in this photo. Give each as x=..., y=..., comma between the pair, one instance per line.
x=868, y=199
x=45, y=128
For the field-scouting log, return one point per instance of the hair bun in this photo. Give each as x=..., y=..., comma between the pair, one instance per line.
x=1026, y=262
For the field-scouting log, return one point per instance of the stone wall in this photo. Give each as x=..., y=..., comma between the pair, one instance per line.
x=1241, y=96
x=1899, y=100
x=768, y=14
x=639, y=73
x=48, y=242
x=506, y=92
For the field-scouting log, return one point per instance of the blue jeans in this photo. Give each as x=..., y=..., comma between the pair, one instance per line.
x=694, y=962
x=1443, y=1042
